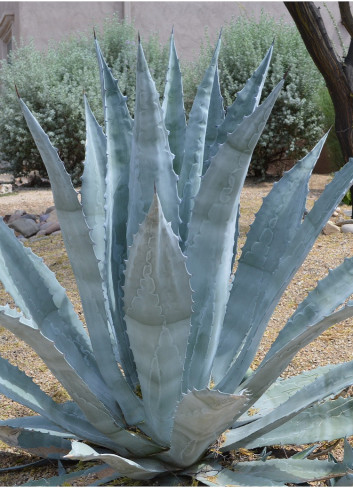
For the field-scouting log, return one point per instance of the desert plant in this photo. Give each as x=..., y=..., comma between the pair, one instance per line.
x=295, y=123
x=163, y=370
x=52, y=83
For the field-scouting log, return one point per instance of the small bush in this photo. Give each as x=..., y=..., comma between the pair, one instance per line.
x=52, y=84
x=296, y=122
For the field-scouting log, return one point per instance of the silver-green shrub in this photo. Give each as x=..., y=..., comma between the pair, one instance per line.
x=53, y=82
x=296, y=121
x=159, y=380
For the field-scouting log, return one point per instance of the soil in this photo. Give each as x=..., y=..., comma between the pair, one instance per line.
x=334, y=346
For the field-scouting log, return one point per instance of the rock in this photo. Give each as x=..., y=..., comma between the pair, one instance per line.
x=341, y=222
x=347, y=212
x=347, y=228
x=335, y=214
x=330, y=228
x=16, y=215
x=54, y=226
x=5, y=188
x=50, y=209
x=52, y=216
x=30, y=216
x=43, y=217
x=26, y=227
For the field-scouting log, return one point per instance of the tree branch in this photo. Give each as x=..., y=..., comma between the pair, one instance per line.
x=346, y=17
x=309, y=22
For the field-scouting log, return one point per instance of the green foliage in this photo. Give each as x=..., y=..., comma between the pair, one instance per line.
x=160, y=374
x=325, y=106
x=296, y=121
x=53, y=84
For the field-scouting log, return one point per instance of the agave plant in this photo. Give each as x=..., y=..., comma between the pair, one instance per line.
x=160, y=376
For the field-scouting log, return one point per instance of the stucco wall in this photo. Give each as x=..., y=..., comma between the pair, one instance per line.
x=55, y=20
x=191, y=18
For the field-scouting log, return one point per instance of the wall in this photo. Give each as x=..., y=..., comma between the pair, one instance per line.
x=55, y=20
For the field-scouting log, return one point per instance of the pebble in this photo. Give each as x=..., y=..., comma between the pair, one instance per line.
x=330, y=228
x=347, y=228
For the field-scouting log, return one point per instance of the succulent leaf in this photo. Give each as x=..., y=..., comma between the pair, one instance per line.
x=173, y=108
x=68, y=478
x=304, y=326
x=151, y=162
x=93, y=181
x=197, y=425
x=211, y=237
x=58, y=349
x=216, y=115
x=326, y=421
x=143, y=469
x=267, y=260
x=280, y=391
x=37, y=436
x=119, y=125
x=245, y=103
x=330, y=383
x=158, y=310
x=86, y=270
x=191, y=170
x=267, y=473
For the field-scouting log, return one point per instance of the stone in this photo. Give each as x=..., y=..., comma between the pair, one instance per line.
x=50, y=209
x=54, y=226
x=16, y=215
x=347, y=228
x=330, y=228
x=26, y=227
x=43, y=217
x=5, y=188
x=52, y=216
x=341, y=222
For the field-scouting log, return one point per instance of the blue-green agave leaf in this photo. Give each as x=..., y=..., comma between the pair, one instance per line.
x=326, y=421
x=310, y=320
x=211, y=237
x=118, y=124
x=37, y=436
x=330, y=383
x=200, y=419
x=276, y=470
x=245, y=103
x=267, y=261
x=305, y=453
x=158, y=310
x=66, y=479
x=280, y=391
x=215, y=475
x=215, y=118
x=85, y=266
x=151, y=160
x=173, y=108
x=16, y=385
x=191, y=170
x=93, y=181
x=142, y=469
x=58, y=349
x=54, y=329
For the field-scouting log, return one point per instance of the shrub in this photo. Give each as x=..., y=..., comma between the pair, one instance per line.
x=295, y=123
x=53, y=84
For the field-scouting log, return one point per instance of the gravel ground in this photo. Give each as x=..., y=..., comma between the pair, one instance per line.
x=334, y=346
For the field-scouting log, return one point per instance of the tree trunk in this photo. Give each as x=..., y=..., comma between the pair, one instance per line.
x=337, y=75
